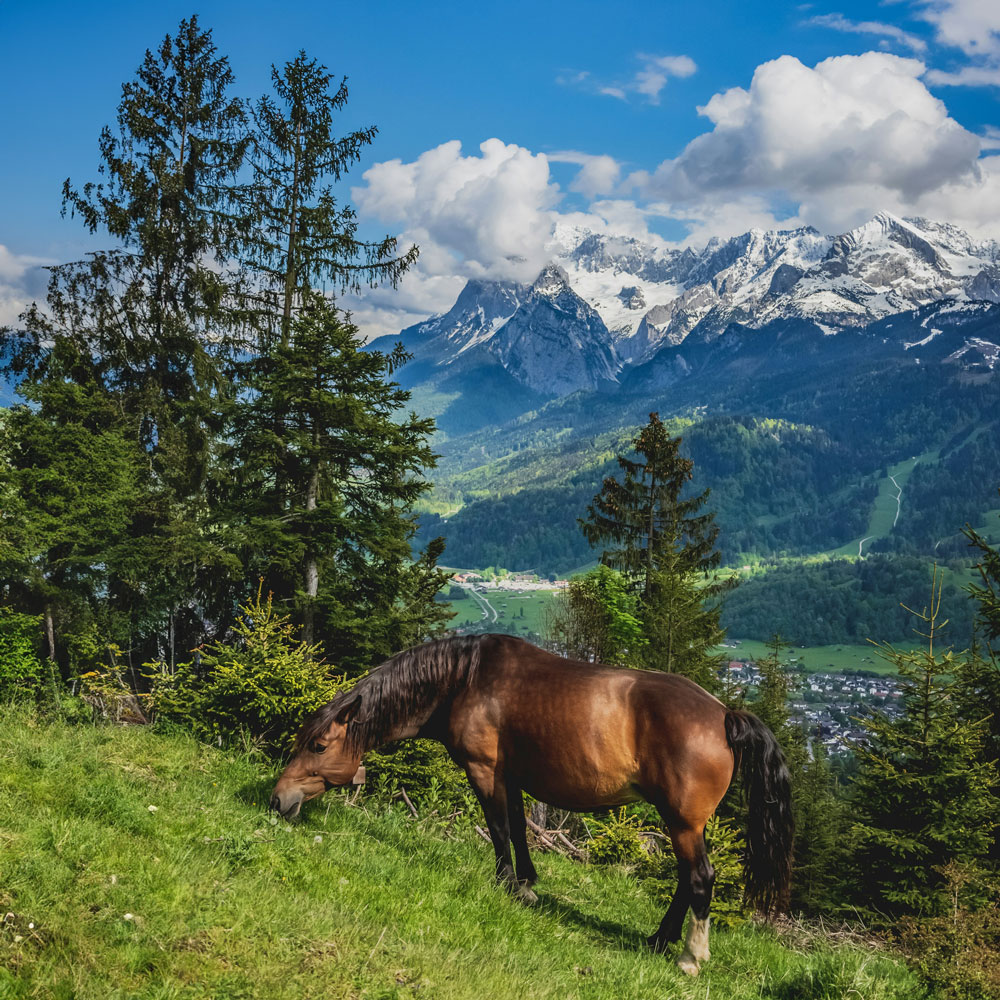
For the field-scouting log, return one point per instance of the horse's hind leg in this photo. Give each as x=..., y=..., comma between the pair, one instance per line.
x=690, y=847
x=526, y=873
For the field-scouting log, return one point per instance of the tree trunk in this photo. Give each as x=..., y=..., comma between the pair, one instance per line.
x=312, y=567
x=50, y=631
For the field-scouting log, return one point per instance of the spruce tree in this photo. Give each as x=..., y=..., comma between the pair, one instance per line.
x=924, y=795
x=329, y=466
x=980, y=682
x=821, y=820
x=151, y=321
x=301, y=238
x=327, y=501
x=664, y=544
x=72, y=473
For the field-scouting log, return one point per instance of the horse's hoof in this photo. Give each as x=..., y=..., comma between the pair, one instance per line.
x=657, y=944
x=524, y=895
x=688, y=964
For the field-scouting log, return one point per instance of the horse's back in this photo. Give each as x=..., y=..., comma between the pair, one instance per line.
x=584, y=735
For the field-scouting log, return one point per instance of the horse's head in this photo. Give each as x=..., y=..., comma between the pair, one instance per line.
x=323, y=758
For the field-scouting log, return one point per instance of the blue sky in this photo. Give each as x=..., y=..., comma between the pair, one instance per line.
x=668, y=121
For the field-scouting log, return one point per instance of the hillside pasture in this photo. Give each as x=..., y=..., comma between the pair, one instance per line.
x=143, y=865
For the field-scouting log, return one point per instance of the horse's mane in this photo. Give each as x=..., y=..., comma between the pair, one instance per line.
x=408, y=683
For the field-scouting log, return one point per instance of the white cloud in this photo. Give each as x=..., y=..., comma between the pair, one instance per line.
x=22, y=281
x=842, y=140
x=599, y=174
x=973, y=26
x=648, y=81
x=491, y=212
x=970, y=25
x=656, y=70
x=889, y=31
x=488, y=215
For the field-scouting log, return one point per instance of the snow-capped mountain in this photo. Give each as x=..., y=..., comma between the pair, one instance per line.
x=605, y=302
x=555, y=342
x=481, y=308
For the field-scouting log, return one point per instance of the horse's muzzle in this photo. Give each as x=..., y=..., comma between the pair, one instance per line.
x=287, y=809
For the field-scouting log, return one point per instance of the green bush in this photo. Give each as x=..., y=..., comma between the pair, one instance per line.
x=20, y=666
x=619, y=840
x=424, y=769
x=261, y=687
x=959, y=952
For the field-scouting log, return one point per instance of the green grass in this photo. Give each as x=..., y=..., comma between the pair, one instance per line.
x=840, y=658
x=508, y=605
x=207, y=897
x=885, y=508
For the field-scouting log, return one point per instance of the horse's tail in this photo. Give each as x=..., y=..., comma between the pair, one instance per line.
x=768, y=864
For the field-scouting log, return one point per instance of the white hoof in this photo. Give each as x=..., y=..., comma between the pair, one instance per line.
x=688, y=964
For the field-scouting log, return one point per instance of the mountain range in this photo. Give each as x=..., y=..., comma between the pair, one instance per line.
x=840, y=395
x=605, y=307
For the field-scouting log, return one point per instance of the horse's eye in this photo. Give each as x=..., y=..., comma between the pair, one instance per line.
x=318, y=747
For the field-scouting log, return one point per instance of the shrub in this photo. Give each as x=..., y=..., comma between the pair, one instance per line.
x=20, y=666
x=619, y=840
x=959, y=952
x=424, y=769
x=261, y=686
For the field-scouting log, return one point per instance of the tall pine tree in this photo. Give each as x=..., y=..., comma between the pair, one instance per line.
x=328, y=501
x=664, y=544
x=149, y=321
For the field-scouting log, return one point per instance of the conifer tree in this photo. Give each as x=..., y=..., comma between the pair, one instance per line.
x=980, y=682
x=72, y=473
x=151, y=319
x=665, y=546
x=924, y=795
x=301, y=238
x=329, y=466
x=820, y=817
x=328, y=502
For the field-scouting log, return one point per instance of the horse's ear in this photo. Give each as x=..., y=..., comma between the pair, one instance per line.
x=348, y=711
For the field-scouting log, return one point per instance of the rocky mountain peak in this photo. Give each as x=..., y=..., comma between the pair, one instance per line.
x=552, y=282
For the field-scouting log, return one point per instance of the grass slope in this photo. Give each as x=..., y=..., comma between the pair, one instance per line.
x=206, y=897
x=886, y=508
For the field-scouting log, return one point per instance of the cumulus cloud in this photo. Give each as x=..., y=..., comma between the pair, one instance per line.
x=491, y=213
x=889, y=31
x=22, y=280
x=841, y=140
x=598, y=174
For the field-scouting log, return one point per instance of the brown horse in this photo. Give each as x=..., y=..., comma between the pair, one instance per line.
x=577, y=735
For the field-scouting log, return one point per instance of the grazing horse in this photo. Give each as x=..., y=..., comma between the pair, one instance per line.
x=577, y=735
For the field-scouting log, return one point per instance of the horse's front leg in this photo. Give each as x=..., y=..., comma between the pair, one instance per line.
x=526, y=873
x=487, y=782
